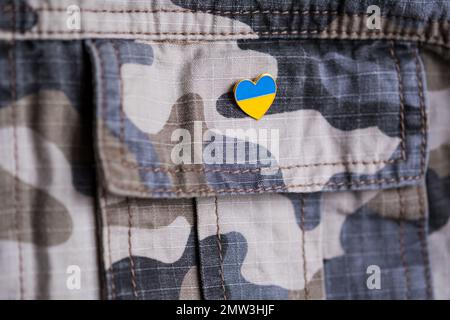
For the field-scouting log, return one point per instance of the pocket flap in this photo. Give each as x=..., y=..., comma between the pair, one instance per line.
x=348, y=115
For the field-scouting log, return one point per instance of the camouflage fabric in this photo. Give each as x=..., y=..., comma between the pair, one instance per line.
x=126, y=166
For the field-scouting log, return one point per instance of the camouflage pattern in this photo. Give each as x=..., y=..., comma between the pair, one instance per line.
x=355, y=176
x=321, y=147
x=47, y=174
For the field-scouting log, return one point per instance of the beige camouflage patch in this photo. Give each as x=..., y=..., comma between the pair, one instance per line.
x=42, y=220
x=189, y=289
x=50, y=114
x=402, y=203
x=154, y=229
x=151, y=213
x=314, y=289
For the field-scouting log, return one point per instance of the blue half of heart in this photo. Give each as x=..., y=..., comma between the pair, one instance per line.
x=248, y=90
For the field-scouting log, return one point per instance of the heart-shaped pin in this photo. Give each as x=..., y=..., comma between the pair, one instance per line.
x=255, y=97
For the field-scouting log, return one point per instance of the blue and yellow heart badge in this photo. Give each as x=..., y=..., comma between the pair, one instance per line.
x=255, y=97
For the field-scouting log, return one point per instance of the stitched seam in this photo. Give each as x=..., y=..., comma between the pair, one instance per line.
x=17, y=213
x=302, y=227
x=219, y=249
x=423, y=245
x=243, y=33
x=187, y=169
x=146, y=190
x=423, y=115
x=131, y=165
x=422, y=232
x=184, y=191
x=132, y=266
x=403, y=35
x=198, y=250
x=401, y=98
x=121, y=111
x=402, y=244
x=102, y=130
x=306, y=12
x=108, y=231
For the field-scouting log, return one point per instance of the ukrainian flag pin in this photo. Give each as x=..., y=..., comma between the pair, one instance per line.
x=255, y=97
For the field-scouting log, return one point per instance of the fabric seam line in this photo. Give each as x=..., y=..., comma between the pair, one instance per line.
x=147, y=191
x=305, y=262
x=401, y=98
x=104, y=202
x=219, y=249
x=423, y=244
x=314, y=34
x=323, y=32
x=130, y=254
x=422, y=232
x=401, y=235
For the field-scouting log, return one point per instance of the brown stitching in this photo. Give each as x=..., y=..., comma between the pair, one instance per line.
x=122, y=112
x=219, y=249
x=203, y=169
x=236, y=171
x=402, y=244
x=302, y=227
x=320, y=34
x=209, y=190
x=422, y=227
x=423, y=245
x=323, y=32
x=411, y=36
x=130, y=255
x=108, y=231
x=423, y=115
x=401, y=97
x=443, y=23
x=162, y=10
x=103, y=85
x=17, y=213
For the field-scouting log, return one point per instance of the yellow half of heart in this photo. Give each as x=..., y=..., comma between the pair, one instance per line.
x=256, y=106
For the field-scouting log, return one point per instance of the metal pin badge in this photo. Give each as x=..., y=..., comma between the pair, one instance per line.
x=255, y=97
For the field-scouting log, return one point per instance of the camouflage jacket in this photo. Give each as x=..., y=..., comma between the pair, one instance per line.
x=127, y=171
